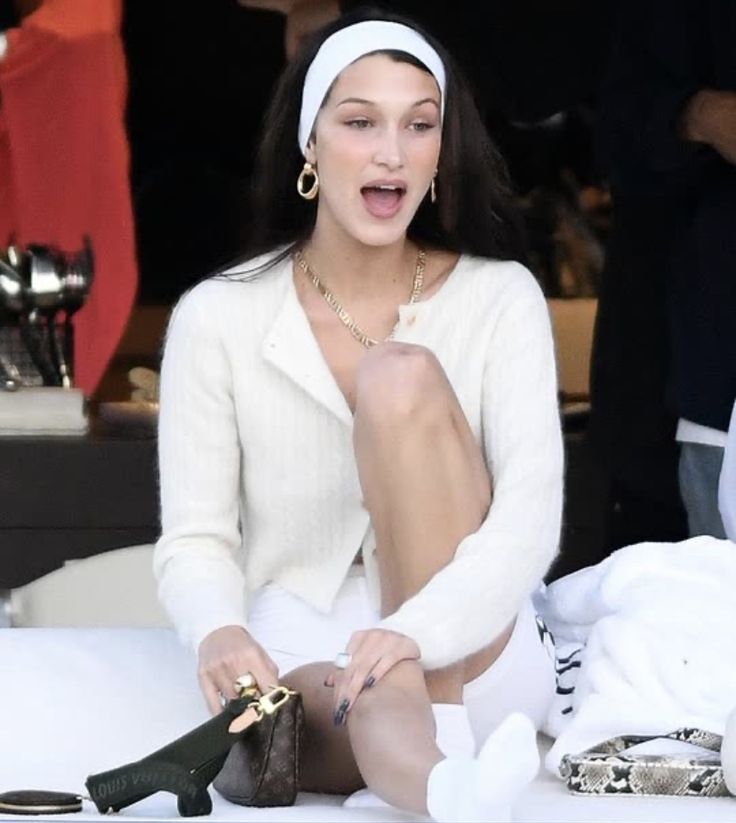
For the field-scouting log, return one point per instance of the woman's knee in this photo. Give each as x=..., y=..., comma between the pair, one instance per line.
x=405, y=681
x=400, y=382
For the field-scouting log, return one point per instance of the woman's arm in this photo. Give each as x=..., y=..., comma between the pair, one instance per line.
x=470, y=601
x=200, y=583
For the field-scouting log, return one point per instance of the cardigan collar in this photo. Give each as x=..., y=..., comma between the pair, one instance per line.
x=290, y=346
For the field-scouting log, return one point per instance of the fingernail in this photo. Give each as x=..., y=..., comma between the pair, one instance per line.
x=370, y=682
x=341, y=712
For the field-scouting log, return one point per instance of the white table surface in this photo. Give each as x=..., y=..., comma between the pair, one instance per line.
x=78, y=701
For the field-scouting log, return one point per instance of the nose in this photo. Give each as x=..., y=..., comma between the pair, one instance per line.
x=389, y=151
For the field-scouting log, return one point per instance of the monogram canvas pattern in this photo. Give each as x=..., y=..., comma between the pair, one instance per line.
x=262, y=768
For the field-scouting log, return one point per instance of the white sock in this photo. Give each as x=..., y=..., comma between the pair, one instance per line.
x=454, y=738
x=484, y=788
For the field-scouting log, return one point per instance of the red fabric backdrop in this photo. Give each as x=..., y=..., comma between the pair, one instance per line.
x=64, y=158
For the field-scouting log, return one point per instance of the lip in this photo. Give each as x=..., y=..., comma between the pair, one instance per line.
x=395, y=183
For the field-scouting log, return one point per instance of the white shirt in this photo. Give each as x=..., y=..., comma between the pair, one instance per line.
x=690, y=432
x=258, y=476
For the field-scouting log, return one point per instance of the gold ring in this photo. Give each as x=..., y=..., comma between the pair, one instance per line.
x=244, y=683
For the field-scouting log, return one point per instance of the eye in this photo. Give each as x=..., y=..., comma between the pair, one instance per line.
x=359, y=123
x=422, y=126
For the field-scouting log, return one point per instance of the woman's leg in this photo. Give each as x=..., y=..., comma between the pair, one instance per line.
x=426, y=486
x=424, y=481
x=326, y=762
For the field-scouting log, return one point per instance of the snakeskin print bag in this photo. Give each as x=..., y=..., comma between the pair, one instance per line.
x=605, y=769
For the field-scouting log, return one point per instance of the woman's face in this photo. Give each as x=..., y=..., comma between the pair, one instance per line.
x=376, y=149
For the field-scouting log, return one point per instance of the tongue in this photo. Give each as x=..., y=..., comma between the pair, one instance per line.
x=382, y=202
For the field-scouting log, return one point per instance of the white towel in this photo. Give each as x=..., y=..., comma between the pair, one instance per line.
x=653, y=628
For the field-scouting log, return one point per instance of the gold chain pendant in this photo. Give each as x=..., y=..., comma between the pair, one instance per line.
x=343, y=315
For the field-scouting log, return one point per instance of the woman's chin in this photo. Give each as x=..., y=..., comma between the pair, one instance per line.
x=379, y=235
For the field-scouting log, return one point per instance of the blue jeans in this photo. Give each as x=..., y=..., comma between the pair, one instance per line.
x=699, y=473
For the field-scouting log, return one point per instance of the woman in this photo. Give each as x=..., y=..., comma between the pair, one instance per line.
x=359, y=440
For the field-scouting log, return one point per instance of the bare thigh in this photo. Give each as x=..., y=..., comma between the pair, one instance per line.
x=426, y=485
x=424, y=479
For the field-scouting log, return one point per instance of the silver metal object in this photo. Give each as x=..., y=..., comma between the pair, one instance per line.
x=38, y=283
x=14, y=257
x=12, y=289
x=10, y=379
x=45, y=284
x=342, y=660
x=76, y=281
x=45, y=294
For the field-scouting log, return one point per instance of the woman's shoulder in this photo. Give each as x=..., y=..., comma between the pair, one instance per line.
x=255, y=279
x=493, y=278
x=252, y=269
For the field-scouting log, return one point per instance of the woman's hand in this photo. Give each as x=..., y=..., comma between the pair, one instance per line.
x=710, y=117
x=373, y=653
x=226, y=654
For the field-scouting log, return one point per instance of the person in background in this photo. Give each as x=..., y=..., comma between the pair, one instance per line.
x=526, y=60
x=669, y=106
x=359, y=437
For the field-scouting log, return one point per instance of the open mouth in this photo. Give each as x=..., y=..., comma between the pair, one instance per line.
x=383, y=200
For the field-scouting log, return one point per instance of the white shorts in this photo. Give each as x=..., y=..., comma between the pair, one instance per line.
x=294, y=634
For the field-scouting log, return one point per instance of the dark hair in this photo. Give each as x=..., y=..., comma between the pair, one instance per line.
x=473, y=213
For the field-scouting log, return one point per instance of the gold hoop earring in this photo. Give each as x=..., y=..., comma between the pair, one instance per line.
x=433, y=190
x=308, y=171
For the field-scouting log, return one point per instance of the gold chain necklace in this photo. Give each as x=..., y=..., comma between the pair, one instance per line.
x=342, y=314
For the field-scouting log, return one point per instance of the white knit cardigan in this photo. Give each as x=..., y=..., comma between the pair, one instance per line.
x=257, y=471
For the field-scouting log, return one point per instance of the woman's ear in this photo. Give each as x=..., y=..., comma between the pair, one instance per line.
x=310, y=154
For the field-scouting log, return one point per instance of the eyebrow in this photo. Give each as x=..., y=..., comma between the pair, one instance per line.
x=365, y=102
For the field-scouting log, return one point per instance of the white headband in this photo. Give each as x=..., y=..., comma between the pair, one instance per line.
x=349, y=44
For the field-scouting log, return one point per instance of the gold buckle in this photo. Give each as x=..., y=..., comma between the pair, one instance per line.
x=266, y=704
x=274, y=700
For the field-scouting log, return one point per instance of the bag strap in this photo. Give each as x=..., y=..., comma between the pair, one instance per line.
x=698, y=737
x=186, y=766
